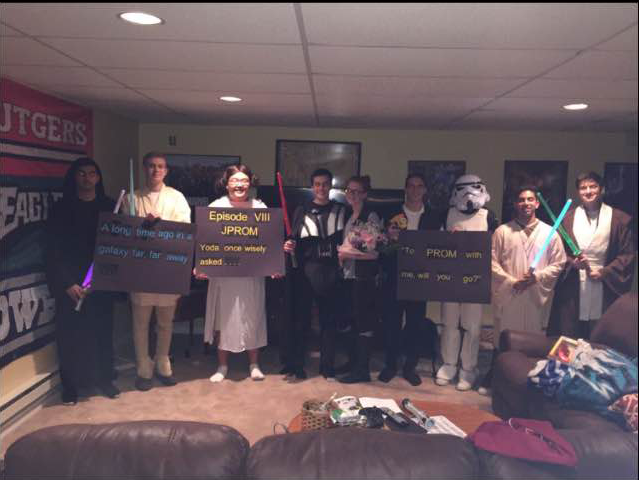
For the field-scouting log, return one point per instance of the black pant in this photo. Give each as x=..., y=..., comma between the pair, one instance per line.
x=392, y=317
x=359, y=304
x=85, y=340
x=298, y=320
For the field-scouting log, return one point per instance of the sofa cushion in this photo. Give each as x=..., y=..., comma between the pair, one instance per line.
x=148, y=449
x=618, y=326
x=353, y=452
x=497, y=467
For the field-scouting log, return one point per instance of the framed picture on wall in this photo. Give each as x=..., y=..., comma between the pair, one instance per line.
x=297, y=159
x=620, y=180
x=196, y=176
x=549, y=176
x=440, y=177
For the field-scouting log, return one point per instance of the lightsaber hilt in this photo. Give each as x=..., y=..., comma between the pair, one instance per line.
x=552, y=232
x=287, y=222
x=562, y=231
x=424, y=420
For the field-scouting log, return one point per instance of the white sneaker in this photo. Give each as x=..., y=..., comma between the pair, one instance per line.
x=484, y=391
x=219, y=375
x=463, y=386
x=442, y=381
x=256, y=373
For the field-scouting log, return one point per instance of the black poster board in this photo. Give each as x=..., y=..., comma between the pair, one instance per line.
x=239, y=242
x=444, y=266
x=134, y=256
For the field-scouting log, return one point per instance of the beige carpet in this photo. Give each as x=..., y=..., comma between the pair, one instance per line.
x=251, y=407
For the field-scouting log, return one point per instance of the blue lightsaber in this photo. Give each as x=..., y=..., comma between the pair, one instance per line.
x=552, y=232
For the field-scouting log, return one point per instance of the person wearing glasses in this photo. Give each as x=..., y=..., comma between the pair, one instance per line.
x=360, y=276
x=85, y=337
x=235, y=306
x=155, y=201
x=413, y=215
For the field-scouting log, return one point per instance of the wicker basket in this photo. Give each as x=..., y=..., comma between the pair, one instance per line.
x=313, y=418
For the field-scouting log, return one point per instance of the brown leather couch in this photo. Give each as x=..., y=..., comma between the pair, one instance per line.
x=185, y=450
x=512, y=397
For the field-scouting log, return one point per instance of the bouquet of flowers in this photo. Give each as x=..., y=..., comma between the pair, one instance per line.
x=364, y=241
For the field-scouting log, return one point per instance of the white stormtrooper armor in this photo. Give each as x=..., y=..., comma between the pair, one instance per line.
x=466, y=214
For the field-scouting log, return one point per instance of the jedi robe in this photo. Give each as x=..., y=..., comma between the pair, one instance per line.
x=512, y=255
x=617, y=274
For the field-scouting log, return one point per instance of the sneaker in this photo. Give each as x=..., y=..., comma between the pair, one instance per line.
x=287, y=370
x=411, y=377
x=143, y=384
x=387, y=374
x=109, y=390
x=463, y=386
x=69, y=397
x=256, y=373
x=442, y=381
x=484, y=391
x=220, y=375
x=328, y=373
x=168, y=381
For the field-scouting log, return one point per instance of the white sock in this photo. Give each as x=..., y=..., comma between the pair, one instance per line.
x=220, y=374
x=256, y=373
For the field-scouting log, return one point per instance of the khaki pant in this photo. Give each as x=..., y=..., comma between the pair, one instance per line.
x=164, y=330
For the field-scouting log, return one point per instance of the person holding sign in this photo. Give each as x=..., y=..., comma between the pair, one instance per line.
x=521, y=298
x=412, y=216
x=155, y=201
x=235, y=306
x=85, y=337
x=360, y=275
x=603, y=270
x=317, y=228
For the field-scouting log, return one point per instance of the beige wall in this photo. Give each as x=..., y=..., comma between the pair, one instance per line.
x=385, y=152
x=115, y=140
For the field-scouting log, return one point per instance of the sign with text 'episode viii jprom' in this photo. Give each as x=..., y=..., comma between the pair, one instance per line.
x=444, y=266
x=133, y=255
x=239, y=242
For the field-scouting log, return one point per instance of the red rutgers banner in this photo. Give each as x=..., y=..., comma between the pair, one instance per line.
x=40, y=136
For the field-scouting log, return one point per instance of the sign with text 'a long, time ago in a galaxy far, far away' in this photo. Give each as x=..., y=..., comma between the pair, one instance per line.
x=444, y=266
x=239, y=242
x=133, y=255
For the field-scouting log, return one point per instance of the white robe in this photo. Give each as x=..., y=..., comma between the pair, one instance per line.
x=593, y=239
x=236, y=306
x=512, y=254
x=170, y=205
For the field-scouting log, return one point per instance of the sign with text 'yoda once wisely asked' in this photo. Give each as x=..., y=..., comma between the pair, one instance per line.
x=239, y=242
x=444, y=266
x=133, y=255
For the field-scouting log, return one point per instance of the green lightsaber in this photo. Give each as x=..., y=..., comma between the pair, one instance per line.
x=574, y=248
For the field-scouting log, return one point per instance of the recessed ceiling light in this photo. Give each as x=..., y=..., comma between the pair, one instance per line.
x=231, y=99
x=576, y=106
x=140, y=18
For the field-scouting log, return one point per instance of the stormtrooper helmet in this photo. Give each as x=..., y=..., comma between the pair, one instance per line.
x=469, y=194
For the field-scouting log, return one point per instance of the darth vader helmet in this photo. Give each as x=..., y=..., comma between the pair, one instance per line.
x=469, y=194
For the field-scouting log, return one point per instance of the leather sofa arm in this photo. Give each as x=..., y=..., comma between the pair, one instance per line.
x=604, y=453
x=530, y=344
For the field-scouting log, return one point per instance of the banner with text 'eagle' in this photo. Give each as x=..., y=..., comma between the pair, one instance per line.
x=40, y=136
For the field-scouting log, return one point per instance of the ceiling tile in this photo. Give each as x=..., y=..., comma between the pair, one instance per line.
x=231, y=58
x=230, y=82
x=99, y=95
x=8, y=32
x=552, y=107
x=599, y=64
x=434, y=62
x=578, y=88
x=51, y=76
x=25, y=51
x=464, y=25
x=411, y=86
x=624, y=41
x=214, y=22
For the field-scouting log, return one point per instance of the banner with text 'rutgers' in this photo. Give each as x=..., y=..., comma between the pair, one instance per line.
x=40, y=136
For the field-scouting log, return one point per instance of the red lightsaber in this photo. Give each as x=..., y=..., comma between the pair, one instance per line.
x=287, y=222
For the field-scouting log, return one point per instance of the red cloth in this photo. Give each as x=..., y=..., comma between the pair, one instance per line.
x=534, y=440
